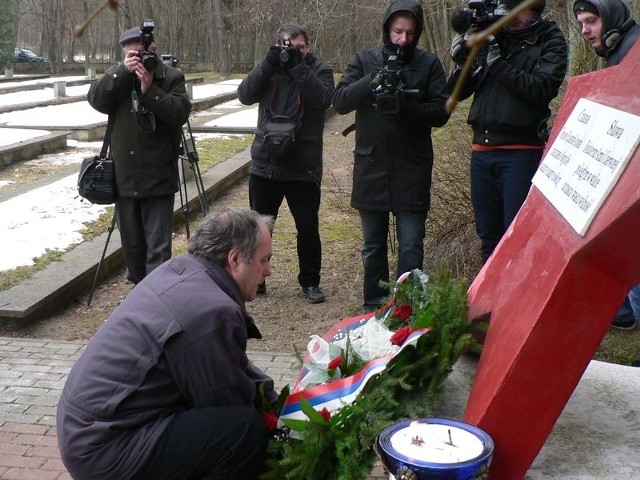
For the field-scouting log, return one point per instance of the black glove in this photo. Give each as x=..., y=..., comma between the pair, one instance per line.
x=493, y=50
x=273, y=56
x=294, y=57
x=459, y=50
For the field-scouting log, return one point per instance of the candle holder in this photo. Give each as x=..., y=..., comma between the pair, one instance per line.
x=435, y=449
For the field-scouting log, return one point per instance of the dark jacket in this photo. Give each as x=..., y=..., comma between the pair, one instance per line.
x=511, y=98
x=308, y=85
x=393, y=155
x=146, y=163
x=178, y=341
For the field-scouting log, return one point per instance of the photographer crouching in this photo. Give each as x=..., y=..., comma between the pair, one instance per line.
x=513, y=80
x=293, y=88
x=147, y=102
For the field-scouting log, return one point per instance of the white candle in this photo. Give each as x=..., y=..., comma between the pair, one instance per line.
x=436, y=443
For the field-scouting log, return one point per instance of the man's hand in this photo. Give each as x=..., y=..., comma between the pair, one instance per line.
x=134, y=65
x=459, y=50
x=273, y=56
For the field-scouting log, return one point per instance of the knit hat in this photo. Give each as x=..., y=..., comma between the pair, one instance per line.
x=538, y=7
x=585, y=6
x=131, y=35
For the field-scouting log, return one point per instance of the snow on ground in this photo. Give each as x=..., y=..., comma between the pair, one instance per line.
x=40, y=95
x=9, y=136
x=52, y=216
x=46, y=217
x=206, y=90
x=77, y=114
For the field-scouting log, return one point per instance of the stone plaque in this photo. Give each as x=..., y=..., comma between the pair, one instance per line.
x=586, y=159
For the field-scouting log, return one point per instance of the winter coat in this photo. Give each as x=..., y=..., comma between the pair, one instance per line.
x=393, y=156
x=146, y=163
x=306, y=87
x=511, y=97
x=177, y=342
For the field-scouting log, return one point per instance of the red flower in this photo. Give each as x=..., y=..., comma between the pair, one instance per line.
x=402, y=312
x=270, y=420
x=335, y=363
x=401, y=335
x=326, y=414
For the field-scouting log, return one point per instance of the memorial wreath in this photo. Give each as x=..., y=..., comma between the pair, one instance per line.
x=366, y=373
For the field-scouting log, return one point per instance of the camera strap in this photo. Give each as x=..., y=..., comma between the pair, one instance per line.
x=297, y=112
x=106, y=143
x=145, y=119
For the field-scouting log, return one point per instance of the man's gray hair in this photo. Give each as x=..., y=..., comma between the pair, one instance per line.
x=232, y=228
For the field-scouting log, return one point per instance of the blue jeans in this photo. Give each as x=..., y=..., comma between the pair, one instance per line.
x=500, y=183
x=410, y=230
x=631, y=304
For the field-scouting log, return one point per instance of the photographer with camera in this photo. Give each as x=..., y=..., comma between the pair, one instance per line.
x=513, y=81
x=293, y=88
x=148, y=104
x=398, y=93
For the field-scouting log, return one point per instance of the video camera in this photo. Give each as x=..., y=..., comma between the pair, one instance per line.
x=386, y=85
x=479, y=15
x=149, y=59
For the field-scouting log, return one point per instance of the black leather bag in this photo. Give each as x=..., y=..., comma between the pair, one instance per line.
x=97, y=177
x=280, y=135
x=97, y=180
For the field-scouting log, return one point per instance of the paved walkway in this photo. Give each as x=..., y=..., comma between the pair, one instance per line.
x=32, y=374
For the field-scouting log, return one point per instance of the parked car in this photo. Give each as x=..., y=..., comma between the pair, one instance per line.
x=22, y=55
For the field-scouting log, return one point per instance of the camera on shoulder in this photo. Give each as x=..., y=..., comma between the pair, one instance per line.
x=479, y=15
x=149, y=59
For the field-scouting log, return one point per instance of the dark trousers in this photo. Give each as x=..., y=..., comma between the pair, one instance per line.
x=213, y=443
x=410, y=231
x=303, y=199
x=500, y=183
x=146, y=226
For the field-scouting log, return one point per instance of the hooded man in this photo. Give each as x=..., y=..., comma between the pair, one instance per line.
x=611, y=31
x=512, y=82
x=398, y=93
x=608, y=27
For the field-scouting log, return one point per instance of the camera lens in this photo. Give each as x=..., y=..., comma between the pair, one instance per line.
x=284, y=56
x=149, y=61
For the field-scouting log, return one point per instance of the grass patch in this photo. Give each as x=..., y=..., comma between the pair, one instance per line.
x=15, y=276
x=620, y=346
x=97, y=227
x=212, y=151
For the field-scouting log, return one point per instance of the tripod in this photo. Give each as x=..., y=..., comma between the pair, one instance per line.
x=189, y=153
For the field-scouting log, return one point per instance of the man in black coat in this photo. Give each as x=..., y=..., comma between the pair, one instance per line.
x=398, y=93
x=293, y=88
x=512, y=82
x=149, y=105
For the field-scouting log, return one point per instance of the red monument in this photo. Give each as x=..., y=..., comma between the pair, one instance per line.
x=556, y=280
